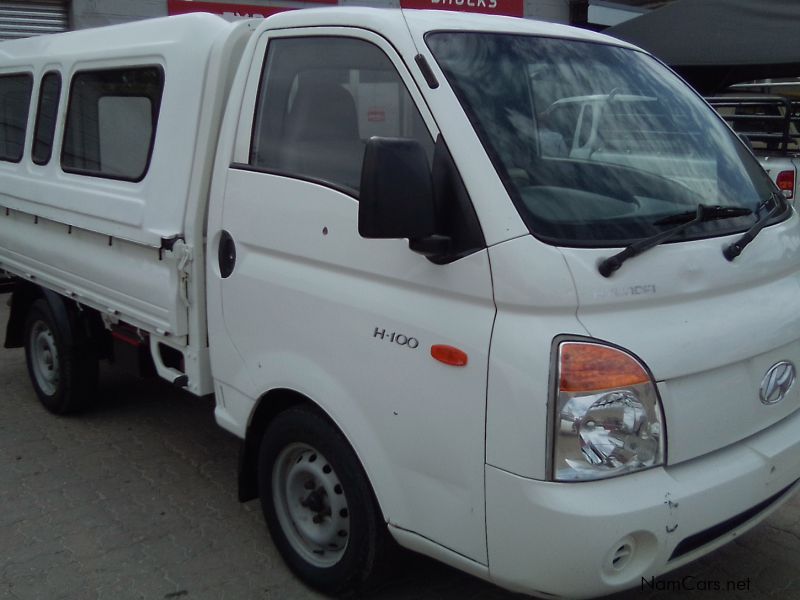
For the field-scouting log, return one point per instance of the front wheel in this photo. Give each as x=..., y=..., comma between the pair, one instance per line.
x=62, y=369
x=318, y=504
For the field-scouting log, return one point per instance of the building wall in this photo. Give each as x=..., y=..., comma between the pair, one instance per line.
x=556, y=11
x=20, y=19
x=96, y=13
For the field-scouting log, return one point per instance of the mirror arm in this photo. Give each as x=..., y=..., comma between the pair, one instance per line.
x=431, y=246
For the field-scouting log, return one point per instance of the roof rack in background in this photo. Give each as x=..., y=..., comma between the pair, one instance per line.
x=769, y=120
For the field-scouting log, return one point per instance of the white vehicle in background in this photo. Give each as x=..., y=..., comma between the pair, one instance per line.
x=555, y=353
x=624, y=129
x=771, y=124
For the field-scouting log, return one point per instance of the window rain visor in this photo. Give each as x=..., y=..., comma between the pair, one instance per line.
x=598, y=145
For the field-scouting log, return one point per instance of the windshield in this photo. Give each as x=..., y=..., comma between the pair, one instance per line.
x=597, y=144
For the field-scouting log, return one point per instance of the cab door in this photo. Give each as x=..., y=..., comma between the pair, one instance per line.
x=309, y=305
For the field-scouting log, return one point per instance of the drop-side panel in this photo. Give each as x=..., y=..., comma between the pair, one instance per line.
x=137, y=283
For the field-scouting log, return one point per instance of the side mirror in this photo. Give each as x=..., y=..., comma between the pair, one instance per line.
x=396, y=195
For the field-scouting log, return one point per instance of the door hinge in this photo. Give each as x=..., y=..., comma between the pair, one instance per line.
x=183, y=254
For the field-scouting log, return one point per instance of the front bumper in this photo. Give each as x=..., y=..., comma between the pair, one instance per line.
x=582, y=540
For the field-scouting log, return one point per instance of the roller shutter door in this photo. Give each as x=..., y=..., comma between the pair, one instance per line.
x=20, y=19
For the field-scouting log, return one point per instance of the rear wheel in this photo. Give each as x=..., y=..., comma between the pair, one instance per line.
x=61, y=363
x=318, y=504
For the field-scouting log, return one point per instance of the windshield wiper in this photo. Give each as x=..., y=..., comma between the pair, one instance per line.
x=734, y=249
x=704, y=213
x=711, y=212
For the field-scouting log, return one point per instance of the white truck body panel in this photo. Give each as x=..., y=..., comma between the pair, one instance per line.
x=690, y=289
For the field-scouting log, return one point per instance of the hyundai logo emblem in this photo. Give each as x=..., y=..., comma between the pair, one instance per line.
x=776, y=382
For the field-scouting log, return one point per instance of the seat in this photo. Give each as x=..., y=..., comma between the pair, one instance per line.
x=321, y=138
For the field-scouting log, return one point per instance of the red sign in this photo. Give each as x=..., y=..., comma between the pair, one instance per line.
x=376, y=114
x=229, y=9
x=511, y=8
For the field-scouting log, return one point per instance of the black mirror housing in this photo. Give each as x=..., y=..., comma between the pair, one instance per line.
x=396, y=195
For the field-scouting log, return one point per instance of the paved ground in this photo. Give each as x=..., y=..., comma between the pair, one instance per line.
x=136, y=500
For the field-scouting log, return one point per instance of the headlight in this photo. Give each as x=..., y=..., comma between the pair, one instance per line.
x=608, y=418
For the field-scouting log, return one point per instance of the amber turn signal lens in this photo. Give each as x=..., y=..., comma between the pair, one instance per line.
x=591, y=367
x=449, y=355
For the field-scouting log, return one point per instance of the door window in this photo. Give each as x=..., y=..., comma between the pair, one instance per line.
x=320, y=100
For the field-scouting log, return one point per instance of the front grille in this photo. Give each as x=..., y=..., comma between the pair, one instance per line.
x=712, y=533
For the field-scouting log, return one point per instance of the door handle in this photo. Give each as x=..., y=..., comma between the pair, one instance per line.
x=226, y=254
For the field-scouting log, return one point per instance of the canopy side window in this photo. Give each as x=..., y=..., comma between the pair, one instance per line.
x=45, y=128
x=111, y=122
x=15, y=99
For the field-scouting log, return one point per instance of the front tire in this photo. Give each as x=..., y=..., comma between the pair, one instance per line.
x=318, y=504
x=62, y=369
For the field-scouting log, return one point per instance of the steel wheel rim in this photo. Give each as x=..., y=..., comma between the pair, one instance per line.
x=311, y=505
x=44, y=357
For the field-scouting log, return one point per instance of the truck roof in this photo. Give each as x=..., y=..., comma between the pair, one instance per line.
x=199, y=30
x=423, y=21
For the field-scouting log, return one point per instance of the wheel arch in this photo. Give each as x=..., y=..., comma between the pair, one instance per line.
x=80, y=323
x=268, y=406
x=22, y=298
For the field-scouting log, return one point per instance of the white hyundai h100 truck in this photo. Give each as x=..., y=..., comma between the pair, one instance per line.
x=508, y=292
